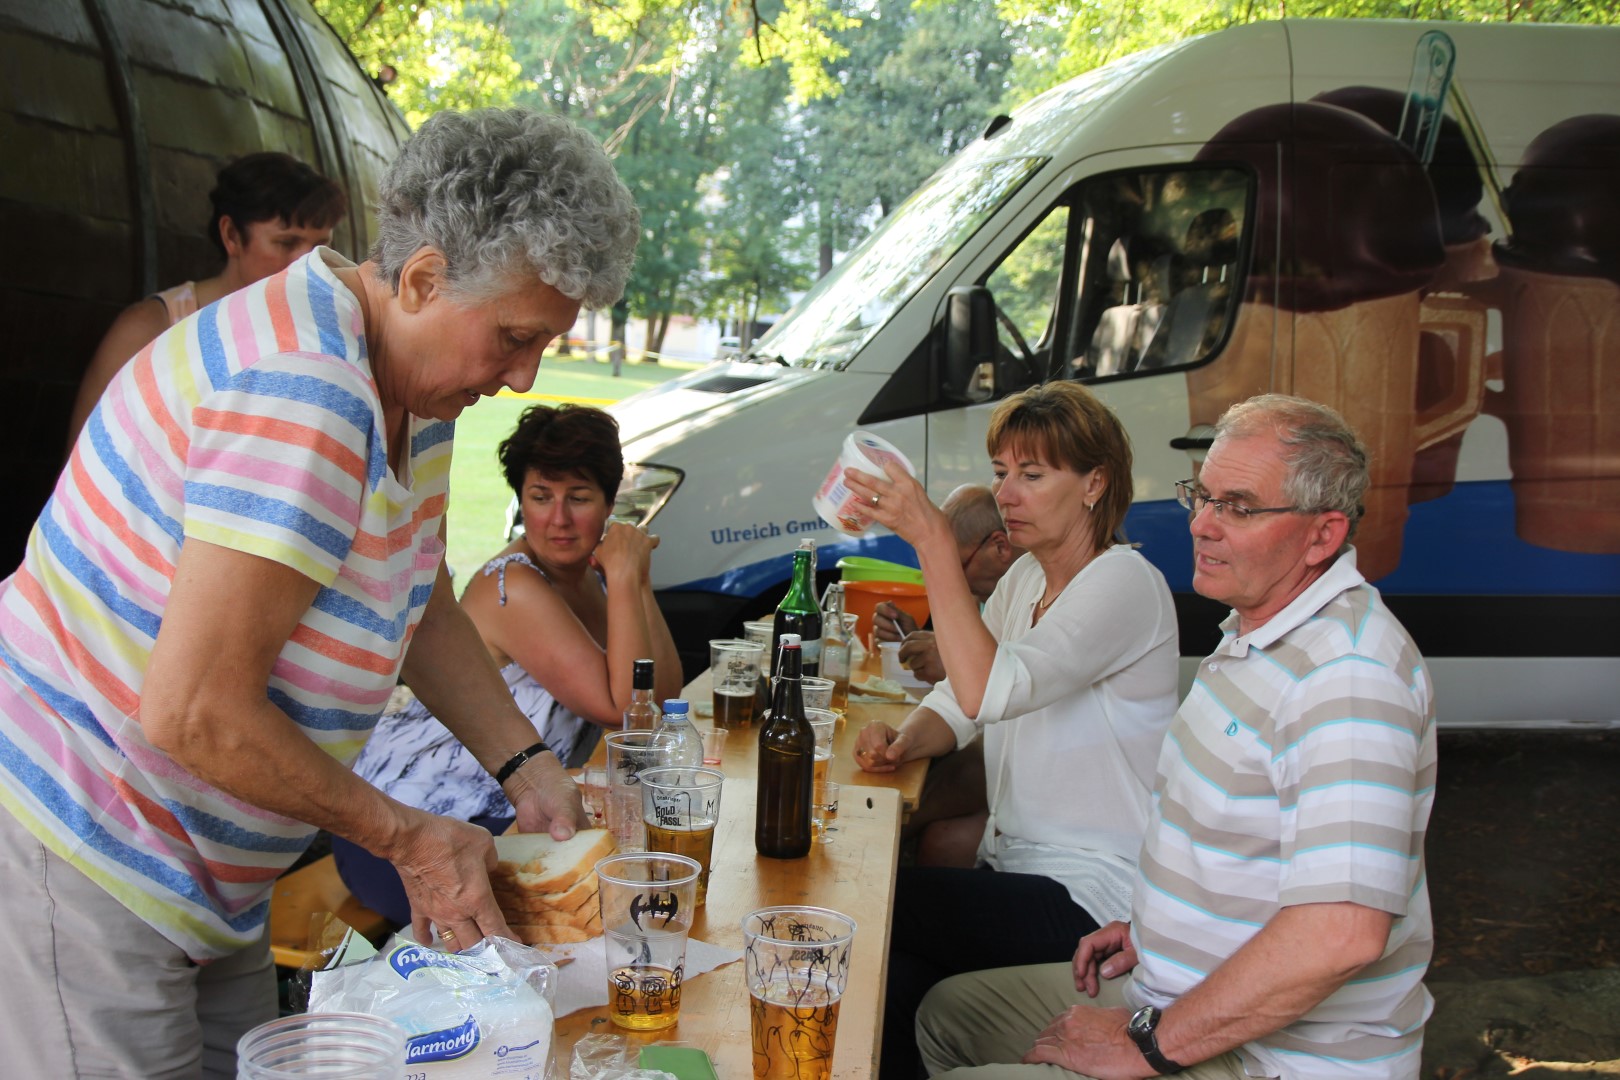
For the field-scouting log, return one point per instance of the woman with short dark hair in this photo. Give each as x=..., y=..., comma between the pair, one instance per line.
x=565, y=610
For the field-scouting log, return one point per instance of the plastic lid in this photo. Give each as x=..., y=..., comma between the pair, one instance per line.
x=789, y=641
x=675, y=705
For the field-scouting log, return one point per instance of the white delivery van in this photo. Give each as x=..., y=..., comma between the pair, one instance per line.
x=1418, y=224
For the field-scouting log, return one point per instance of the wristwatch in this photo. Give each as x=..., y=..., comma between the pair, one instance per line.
x=1141, y=1029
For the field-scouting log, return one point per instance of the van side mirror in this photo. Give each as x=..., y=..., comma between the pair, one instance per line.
x=970, y=344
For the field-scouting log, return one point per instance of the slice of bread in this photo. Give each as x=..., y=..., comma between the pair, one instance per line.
x=887, y=689
x=534, y=863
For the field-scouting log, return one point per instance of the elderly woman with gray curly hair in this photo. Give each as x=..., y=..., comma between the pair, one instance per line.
x=243, y=554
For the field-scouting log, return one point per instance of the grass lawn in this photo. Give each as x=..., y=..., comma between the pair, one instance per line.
x=478, y=493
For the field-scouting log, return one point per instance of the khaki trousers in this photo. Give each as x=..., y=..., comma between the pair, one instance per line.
x=92, y=991
x=979, y=1025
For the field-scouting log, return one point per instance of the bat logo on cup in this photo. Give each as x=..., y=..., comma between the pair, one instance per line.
x=667, y=905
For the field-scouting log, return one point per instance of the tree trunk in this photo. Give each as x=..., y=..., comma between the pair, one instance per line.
x=824, y=236
x=620, y=330
x=657, y=327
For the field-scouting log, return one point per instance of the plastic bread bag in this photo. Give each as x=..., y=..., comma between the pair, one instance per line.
x=610, y=1057
x=484, y=1012
x=332, y=943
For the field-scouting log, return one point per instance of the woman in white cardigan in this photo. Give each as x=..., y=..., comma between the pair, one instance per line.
x=1070, y=678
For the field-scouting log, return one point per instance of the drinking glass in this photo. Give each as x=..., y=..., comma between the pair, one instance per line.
x=593, y=793
x=680, y=807
x=796, y=964
x=817, y=692
x=628, y=754
x=824, y=810
x=647, y=911
x=824, y=722
x=714, y=746
x=734, y=667
x=342, y=1046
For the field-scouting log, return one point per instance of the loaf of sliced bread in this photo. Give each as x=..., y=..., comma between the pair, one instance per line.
x=547, y=888
x=512, y=897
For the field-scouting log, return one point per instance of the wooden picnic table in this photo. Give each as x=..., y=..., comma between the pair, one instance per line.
x=854, y=874
x=907, y=780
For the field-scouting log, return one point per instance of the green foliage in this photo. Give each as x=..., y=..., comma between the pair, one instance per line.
x=444, y=54
x=919, y=85
x=1070, y=37
x=802, y=36
x=799, y=33
x=1025, y=284
x=757, y=247
x=763, y=139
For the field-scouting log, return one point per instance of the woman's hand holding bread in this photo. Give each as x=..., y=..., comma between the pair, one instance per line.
x=546, y=799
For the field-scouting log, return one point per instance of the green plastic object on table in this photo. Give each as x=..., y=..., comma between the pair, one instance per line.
x=862, y=568
x=682, y=1062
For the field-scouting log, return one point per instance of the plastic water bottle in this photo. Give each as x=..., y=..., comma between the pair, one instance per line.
x=677, y=722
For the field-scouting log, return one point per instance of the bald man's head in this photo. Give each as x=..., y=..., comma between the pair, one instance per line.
x=981, y=538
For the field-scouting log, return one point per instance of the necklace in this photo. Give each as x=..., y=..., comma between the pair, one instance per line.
x=1042, y=605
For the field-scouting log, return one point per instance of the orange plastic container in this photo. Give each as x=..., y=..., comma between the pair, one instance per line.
x=863, y=597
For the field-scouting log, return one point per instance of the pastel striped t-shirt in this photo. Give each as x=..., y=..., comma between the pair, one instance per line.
x=254, y=425
x=1300, y=769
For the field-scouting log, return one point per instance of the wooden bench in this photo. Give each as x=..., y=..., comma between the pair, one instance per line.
x=311, y=890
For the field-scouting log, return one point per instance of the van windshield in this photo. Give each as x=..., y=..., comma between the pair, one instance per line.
x=846, y=307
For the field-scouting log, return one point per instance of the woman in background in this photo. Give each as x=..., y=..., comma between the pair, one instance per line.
x=564, y=610
x=270, y=209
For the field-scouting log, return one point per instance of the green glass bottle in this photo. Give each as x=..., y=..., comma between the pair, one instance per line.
x=798, y=613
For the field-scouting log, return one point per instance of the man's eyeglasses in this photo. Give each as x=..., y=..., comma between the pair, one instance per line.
x=1188, y=495
x=967, y=562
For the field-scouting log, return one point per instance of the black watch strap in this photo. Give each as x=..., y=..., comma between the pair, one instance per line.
x=515, y=762
x=1142, y=1029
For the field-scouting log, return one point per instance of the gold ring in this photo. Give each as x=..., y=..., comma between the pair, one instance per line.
x=875, y=499
x=447, y=935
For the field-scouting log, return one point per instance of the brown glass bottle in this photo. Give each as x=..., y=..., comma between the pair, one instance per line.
x=787, y=759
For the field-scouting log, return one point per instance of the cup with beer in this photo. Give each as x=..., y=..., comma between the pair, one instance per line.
x=824, y=722
x=647, y=906
x=680, y=806
x=796, y=963
x=734, y=669
x=629, y=754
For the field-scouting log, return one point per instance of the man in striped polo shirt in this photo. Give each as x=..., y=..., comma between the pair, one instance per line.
x=1280, y=924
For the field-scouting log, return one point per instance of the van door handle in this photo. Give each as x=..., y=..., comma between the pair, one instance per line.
x=1189, y=442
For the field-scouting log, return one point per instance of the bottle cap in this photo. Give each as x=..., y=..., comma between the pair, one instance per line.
x=641, y=675
x=675, y=705
x=790, y=641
